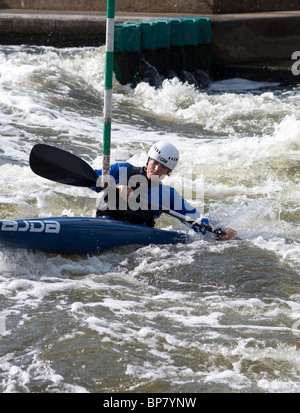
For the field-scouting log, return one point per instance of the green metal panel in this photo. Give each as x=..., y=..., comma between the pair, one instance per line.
x=148, y=35
x=131, y=37
x=190, y=29
x=204, y=30
x=167, y=44
x=177, y=38
x=119, y=48
x=163, y=33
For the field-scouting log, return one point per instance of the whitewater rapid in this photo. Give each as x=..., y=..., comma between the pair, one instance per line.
x=201, y=317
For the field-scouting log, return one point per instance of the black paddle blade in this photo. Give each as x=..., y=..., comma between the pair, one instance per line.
x=61, y=166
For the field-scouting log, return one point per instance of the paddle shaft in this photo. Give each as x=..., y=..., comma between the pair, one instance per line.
x=219, y=232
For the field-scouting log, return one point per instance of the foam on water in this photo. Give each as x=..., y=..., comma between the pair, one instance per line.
x=146, y=303
x=204, y=316
x=220, y=113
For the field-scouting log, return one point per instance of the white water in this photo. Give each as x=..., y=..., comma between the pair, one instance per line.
x=201, y=317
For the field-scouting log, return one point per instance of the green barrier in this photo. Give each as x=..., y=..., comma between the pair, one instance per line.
x=148, y=35
x=127, y=49
x=190, y=31
x=127, y=37
x=118, y=46
x=204, y=30
x=176, y=52
x=170, y=45
x=177, y=33
x=131, y=37
x=197, y=30
x=197, y=39
x=163, y=34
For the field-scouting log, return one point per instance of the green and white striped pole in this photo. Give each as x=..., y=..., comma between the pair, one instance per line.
x=108, y=92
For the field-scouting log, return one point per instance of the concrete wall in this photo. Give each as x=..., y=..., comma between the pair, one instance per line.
x=256, y=37
x=252, y=6
x=156, y=6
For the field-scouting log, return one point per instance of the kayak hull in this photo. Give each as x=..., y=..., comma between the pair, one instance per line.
x=80, y=236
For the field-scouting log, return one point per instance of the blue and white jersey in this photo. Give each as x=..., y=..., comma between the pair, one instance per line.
x=157, y=195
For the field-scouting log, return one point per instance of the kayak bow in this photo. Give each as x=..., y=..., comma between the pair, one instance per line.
x=76, y=235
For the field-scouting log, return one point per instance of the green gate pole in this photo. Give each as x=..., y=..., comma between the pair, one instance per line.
x=109, y=63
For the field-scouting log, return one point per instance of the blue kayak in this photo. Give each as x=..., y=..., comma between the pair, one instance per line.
x=68, y=235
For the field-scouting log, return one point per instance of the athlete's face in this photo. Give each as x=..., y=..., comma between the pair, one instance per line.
x=156, y=169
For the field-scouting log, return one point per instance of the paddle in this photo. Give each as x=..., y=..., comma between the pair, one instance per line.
x=219, y=232
x=63, y=167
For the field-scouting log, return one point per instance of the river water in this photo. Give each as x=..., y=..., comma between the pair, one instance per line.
x=206, y=316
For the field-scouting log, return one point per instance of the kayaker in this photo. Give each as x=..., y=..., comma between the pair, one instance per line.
x=123, y=199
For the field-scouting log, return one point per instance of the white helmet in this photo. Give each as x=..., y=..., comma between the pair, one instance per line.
x=165, y=153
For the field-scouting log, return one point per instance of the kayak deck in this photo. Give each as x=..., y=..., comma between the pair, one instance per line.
x=80, y=236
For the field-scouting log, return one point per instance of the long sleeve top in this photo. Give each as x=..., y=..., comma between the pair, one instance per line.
x=147, y=198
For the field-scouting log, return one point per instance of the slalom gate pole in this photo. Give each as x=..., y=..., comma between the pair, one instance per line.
x=108, y=92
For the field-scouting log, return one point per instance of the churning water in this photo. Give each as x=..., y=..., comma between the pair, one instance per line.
x=206, y=316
